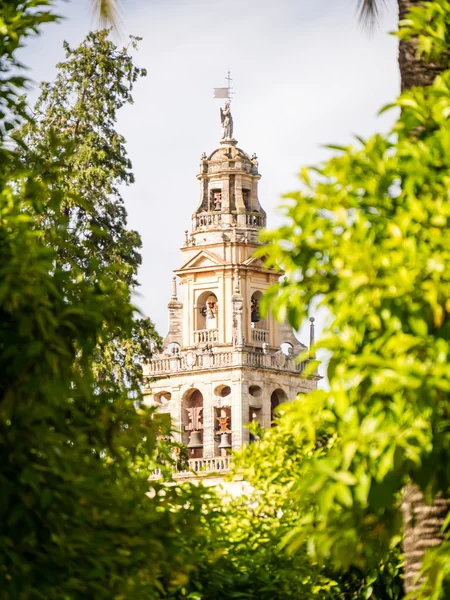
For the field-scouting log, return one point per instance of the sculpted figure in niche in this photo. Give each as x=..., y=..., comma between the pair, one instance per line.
x=227, y=122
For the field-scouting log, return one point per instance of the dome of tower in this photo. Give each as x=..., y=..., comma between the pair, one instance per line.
x=231, y=157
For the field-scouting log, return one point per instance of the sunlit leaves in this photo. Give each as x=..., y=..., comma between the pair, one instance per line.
x=367, y=236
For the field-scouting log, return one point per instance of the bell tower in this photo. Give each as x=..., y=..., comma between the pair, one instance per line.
x=222, y=364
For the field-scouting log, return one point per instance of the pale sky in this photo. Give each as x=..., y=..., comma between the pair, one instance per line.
x=304, y=72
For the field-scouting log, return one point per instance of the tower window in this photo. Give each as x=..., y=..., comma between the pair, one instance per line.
x=193, y=422
x=207, y=314
x=216, y=199
x=256, y=322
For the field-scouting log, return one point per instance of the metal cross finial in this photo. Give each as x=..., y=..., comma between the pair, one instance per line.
x=230, y=89
x=225, y=92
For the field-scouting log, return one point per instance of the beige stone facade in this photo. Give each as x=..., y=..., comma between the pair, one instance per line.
x=222, y=365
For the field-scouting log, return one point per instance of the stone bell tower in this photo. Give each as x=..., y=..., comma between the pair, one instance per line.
x=222, y=364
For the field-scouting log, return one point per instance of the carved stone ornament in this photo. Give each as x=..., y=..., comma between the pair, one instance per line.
x=191, y=359
x=280, y=359
x=195, y=418
x=223, y=424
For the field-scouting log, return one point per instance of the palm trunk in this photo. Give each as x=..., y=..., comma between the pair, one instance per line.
x=422, y=522
x=422, y=530
x=414, y=71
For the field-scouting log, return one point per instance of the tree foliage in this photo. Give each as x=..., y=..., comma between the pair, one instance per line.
x=77, y=518
x=367, y=236
x=74, y=123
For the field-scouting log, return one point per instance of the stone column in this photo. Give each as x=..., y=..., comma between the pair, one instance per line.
x=245, y=409
x=240, y=207
x=208, y=421
x=226, y=194
x=236, y=412
x=176, y=412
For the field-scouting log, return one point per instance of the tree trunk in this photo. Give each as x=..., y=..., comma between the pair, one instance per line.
x=422, y=525
x=422, y=522
x=414, y=71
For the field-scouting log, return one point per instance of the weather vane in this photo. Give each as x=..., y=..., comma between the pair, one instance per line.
x=225, y=113
x=225, y=92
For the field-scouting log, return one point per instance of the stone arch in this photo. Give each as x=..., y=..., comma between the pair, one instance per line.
x=174, y=348
x=223, y=390
x=277, y=397
x=255, y=391
x=162, y=397
x=256, y=322
x=192, y=421
x=287, y=349
x=206, y=311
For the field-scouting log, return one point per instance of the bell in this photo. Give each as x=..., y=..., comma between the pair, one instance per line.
x=255, y=316
x=225, y=440
x=195, y=440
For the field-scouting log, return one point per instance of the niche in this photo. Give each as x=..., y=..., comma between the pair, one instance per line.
x=216, y=199
x=255, y=318
x=277, y=397
x=193, y=423
x=207, y=311
x=223, y=431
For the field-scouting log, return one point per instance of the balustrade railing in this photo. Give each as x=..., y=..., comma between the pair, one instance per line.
x=260, y=336
x=212, y=218
x=255, y=220
x=203, y=336
x=219, y=464
x=206, y=360
x=255, y=359
x=222, y=359
x=207, y=219
x=158, y=365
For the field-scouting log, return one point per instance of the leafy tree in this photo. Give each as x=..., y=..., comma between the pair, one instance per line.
x=76, y=452
x=74, y=122
x=414, y=69
x=367, y=237
x=240, y=554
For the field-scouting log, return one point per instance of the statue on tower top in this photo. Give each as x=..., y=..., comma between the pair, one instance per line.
x=227, y=122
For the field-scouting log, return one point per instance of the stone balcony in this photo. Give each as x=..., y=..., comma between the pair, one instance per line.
x=198, y=360
x=205, y=336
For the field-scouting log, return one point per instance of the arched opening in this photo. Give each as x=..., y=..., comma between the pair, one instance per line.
x=215, y=201
x=193, y=422
x=259, y=326
x=206, y=317
x=254, y=416
x=255, y=391
x=222, y=422
x=162, y=397
x=174, y=348
x=222, y=390
x=287, y=349
x=223, y=443
x=277, y=397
